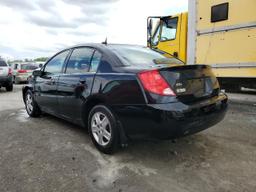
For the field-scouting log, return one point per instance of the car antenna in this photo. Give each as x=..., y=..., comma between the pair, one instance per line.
x=105, y=42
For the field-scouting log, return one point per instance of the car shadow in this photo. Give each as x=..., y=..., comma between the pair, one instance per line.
x=64, y=124
x=195, y=148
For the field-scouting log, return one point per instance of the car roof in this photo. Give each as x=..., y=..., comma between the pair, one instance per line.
x=102, y=46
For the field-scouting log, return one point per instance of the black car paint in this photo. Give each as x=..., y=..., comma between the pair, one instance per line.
x=139, y=113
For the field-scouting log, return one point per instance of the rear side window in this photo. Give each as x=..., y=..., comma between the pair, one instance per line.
x=3, y=63
x=79, y=61
x=95, y=61
x=56, y=63
x=135, y=55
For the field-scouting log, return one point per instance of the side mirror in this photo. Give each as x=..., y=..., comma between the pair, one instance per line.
x=37, y=73
x=149, y=29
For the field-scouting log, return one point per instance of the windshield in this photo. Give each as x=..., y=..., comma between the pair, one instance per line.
x=29, y=67
x=136, y=55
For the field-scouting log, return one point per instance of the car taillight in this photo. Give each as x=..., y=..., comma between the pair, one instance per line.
x=153, y=82
x=10, y=71
x=22, y=71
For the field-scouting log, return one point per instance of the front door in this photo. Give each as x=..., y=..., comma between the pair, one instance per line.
x=46, y=85
x=169, y=40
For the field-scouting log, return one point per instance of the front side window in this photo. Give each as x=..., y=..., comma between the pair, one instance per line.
x=95, y=61
x=79, y=61
x=56, y=63
x=169, y=29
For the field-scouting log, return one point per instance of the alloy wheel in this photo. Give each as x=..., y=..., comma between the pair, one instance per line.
x=29, y=103
x=101, y=128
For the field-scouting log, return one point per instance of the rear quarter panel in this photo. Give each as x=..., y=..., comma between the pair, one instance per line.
x=118, y=89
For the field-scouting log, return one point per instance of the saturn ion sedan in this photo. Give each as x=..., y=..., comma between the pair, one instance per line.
x=122, y=92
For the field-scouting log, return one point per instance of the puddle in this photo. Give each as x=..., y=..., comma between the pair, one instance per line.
x=22, y=116
x=110, y=167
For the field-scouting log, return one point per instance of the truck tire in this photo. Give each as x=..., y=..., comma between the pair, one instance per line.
x=9, y=87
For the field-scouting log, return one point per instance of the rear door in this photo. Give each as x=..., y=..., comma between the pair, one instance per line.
x=46, y=85
x=4, y=69
x=75, y=85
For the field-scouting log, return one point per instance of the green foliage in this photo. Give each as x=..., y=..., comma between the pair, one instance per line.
x=43, y=59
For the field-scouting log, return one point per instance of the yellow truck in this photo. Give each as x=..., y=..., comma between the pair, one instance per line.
x=220, y=33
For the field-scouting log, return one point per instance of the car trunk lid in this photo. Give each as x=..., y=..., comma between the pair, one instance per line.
x=191, y=82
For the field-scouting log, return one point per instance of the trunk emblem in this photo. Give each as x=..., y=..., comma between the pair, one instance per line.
x=181, y=90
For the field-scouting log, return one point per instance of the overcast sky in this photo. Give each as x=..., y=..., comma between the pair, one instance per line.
x=35, y=28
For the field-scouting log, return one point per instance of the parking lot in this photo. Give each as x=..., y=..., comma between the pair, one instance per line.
x=49, y=154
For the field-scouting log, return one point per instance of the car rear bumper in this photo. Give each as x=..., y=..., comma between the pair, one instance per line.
x=22, y=78
x=4, y=81
x=172, y=120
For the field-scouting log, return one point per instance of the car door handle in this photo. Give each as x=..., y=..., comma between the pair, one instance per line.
x=82, y=81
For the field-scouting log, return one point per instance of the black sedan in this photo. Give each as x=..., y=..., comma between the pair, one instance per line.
x=120, y=92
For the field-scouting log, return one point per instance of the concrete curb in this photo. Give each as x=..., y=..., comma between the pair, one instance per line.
x=244, y=99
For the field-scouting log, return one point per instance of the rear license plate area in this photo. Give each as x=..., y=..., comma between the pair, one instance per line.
x=190, y=87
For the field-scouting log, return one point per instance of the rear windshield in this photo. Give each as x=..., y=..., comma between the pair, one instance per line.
x=29, y=67
x=136, y=55
x=2, y=63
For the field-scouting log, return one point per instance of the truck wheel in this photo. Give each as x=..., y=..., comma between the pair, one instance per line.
x=103, y=129
x=9, y=87
x=31, y=106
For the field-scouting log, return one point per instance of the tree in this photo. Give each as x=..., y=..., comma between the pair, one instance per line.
x=43, y=59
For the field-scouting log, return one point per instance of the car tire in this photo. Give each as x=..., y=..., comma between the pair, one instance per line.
x=30, y=104
x=103, y=129
x=9, y=87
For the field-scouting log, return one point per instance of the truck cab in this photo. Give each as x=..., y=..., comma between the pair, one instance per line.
x=169, y=34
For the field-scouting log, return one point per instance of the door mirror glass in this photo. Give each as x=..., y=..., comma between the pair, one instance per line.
x=154, y=28
x=149, y=31
x=37, y=73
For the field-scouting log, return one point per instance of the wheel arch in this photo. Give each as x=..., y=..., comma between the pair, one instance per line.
x=96, y=100
x=88, y=105
x=24, y=90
